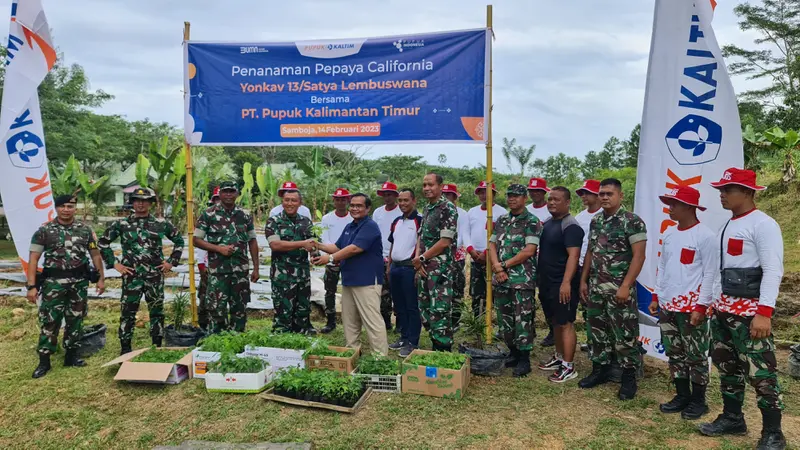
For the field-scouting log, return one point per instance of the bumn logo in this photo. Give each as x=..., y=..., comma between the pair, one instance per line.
x=659, y=347
x=694, y=140
x=25, y=149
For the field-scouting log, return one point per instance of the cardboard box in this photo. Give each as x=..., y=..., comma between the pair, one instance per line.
x=278, y=358
x=157, y=373
x=434, y=381
x=335, y=363
x=270, y=395
x=241, y=383
x=201, y=361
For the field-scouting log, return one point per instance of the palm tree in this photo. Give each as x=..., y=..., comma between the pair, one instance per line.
x=514, y=153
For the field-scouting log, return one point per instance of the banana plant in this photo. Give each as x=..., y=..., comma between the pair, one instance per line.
x=88, y=187
x=267, y=186
x=245, y=199
x=66, y=181
x=170, y=168
x=317, y=176
x=780, y=143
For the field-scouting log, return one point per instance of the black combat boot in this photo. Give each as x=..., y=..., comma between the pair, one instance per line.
x=125, y=347
x=437, y=347
x=549, y=340
x=772, y=437
x=731, y=421
x=331, y=325
x=681, y=399
x=157, y=341
x=697, y=405
x=71, y=359
x=599, y=375
x=628, y=386
x=513, y=357
x=388, y=321
x=523, y=367
x=43, y=367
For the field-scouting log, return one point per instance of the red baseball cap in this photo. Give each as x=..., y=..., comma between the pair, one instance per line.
x=742, y=177
x=388, y=187
x=341, y=193
x=591, y=186
x=287, y=186
x=684, y=194
x=538, y=184
x=216, y=193
x=483, y=185
x=450, y=189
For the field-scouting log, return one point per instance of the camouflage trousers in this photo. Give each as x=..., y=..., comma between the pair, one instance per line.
x=203, y=314
x=332, y=274
x=291, y=296
x=615, y=328
x=436, y=302
x=228, y=292
x=61, y=301
x=386, y=295
x=515, y=316
x=477, y=287
x=686, y=346
x=740, y=359
x=459, y=285
x=133, y=287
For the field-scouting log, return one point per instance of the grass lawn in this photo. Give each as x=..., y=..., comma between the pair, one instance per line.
x=7, y=250
x=86, y=408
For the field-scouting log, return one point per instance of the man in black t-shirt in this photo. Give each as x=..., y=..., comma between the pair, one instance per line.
x=559, y=280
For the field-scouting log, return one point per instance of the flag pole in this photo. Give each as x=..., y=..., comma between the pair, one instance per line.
x=190, y=204
x=489, y=191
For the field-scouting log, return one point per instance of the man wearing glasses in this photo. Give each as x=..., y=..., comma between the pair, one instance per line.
x=359, y=250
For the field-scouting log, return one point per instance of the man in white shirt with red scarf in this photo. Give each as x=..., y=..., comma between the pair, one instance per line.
x=743, y=301
x=686, y=270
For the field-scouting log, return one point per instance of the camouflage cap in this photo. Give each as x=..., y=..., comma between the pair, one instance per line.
x=228, y=186
x=143, y=194
x=516, y=189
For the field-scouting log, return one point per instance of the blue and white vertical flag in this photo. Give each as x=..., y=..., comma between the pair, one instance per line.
x=24, y=175
x=691, y=131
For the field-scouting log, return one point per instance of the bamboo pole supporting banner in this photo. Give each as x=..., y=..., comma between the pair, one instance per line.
x=489, y=192
x=190, y=206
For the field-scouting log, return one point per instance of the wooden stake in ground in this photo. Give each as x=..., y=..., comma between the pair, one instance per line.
x=489, y=192
x=189, y=198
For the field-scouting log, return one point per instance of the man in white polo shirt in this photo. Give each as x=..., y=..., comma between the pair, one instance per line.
x=290, y=186
x=686, y=270
x=384, y=216
x=478, y=244
x=743, y=300
x=333, y=224
x=403, y=239
x=450, y=191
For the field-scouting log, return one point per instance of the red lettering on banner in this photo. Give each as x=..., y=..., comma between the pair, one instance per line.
x=644, y=340
x=37, y=202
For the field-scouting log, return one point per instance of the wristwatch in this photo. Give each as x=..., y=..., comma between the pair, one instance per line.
x=503, y=265
x=422, y=258
x=331, y=261
x=29, y=287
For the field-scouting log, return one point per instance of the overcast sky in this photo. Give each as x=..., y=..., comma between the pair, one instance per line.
x=567, y=74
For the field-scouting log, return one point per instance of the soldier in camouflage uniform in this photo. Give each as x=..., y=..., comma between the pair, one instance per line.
x=141, y=264
x=512, y=249
x=436, y=248
x=615, y=256
x=227, y=233
x=63, y=281
x=290, y=238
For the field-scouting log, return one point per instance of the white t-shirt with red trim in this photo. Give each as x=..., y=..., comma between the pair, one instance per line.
x=584, y=218
x=751, y=240
x=334, y=226
x=541, y=213
x=477, y=226
x=384, y=218
x=688, y=264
